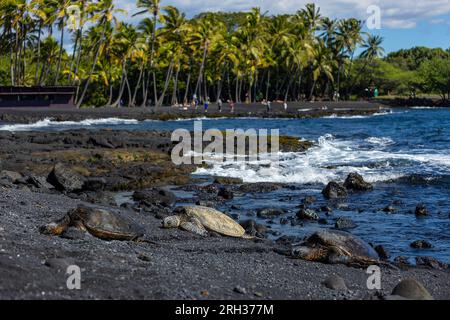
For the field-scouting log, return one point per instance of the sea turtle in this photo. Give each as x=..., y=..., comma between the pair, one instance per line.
x=200, y=220
x=332, y=246
x=101, y=223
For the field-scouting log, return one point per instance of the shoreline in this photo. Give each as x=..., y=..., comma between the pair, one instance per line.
x=296, y=110
x=177, y=265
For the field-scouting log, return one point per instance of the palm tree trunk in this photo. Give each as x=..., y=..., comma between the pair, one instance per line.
x=38, y=55
x=94, y=63
x=166, y=85
x=61, y=48
x=268, y=85
x=74, y=53
x=141, y=72
x=175, y=86
x=188, y=83
x=202, y=66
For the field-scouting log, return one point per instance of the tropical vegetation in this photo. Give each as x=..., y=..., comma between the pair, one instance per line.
x=165, y=58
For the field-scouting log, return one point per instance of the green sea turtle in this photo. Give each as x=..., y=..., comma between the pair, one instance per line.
x=200, y=220
x=332, y=246
x=103, y=224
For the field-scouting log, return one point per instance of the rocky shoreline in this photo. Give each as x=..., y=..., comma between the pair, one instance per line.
x=43, y=175
x=295, y=110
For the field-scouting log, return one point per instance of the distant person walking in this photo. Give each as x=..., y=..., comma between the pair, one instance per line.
x=231, y=106
x=206, y=104
x=219, y=104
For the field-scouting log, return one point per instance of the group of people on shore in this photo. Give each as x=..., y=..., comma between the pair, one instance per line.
x=196, y=103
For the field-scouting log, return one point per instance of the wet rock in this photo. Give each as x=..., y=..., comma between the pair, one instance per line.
x=94, y=184
x=344, y=224
x=38, y=182
x=355, y=182
x=322, y=221
x=254, y=229
x=402, y=261
x=65, y=179
x=10, y=176
x=389, y=209
x=328, y=210
x=205, y=203
x=307, y=214
x=228, y=180
x=99, y=197
x=383, y=253
x=259, y=187
x=421, y=244
x=431, y=262
x=308, y=200
x=412, y=289
x=225, y=193
x=334, y=190
x=335, y=283
x=155, y=197
x=421, y=210
x=269, y=212
x=287, y=240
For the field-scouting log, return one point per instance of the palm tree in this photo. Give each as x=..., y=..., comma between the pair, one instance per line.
x=152, y=7
x=371, y=49
x=104, y=15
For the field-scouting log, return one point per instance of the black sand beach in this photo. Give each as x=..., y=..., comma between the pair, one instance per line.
x=176, y=264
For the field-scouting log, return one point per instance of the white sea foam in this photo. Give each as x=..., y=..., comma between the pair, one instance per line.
x=332, y=159
x=376, y=114
x=50, y=123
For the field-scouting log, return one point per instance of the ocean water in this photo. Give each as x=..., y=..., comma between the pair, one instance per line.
x=404, y=153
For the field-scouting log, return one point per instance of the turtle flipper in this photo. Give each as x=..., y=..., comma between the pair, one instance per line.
x=57, y=227
x=194, y=226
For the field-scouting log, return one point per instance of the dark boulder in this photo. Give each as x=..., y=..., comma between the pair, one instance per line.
x=94, y=184
x=412, y=289
x=64, y=178
x=421, y=244
x=421, y=210
x=259, y=187
x=308, y=200
x=389, y=209
x=155, y=197
x=254, y=229
x=344, y=224
x=383, y=253
x=335, y=283
x=307, y=214
x=355, y=182
x=225, y=193
x=227, y=180
x=334, y=190
x=38, y=182
x=431, y=262
x=269, y=212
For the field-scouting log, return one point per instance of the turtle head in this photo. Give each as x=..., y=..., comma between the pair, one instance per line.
x=171, y=222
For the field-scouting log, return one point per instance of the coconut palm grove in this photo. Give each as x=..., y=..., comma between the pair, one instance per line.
x=166, y=58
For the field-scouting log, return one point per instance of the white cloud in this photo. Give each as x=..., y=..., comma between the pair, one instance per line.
x=398, y=14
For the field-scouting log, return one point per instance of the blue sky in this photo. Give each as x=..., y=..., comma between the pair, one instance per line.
x=404, y=23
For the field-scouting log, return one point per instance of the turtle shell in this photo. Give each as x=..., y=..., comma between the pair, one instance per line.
x=107, y=225
x=351, y=244
x=214, y=220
